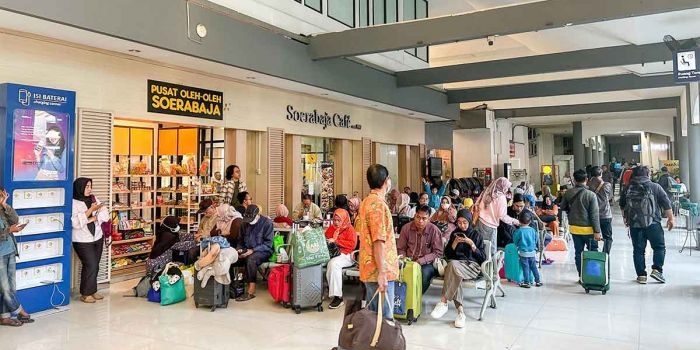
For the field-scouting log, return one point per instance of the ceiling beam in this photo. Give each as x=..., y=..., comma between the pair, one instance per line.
x=560, y=88
x=528, y=17
x=557, y=62
x=590, y=108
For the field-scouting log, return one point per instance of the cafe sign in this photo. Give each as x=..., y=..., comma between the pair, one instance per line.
x=324, y=119
x=184, y=100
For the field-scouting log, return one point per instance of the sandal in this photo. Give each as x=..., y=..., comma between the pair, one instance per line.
x=245, y=297
x=10, y=322
x=25, y=319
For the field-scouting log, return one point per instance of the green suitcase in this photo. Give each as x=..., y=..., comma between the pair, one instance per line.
x=410, y=280
x=595, y=271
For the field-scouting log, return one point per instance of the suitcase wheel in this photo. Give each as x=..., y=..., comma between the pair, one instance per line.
x=605, y=291
x=319, y=308
x=286, y=305
x=409, y=317
x=588, y=291
x=297, y=310
x=213, y=308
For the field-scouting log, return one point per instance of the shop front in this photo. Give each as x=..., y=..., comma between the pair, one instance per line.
x=167, y=133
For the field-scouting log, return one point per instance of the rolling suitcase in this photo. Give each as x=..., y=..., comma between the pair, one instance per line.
x=279, y=284
x=307, y=288
x=595, y=271
x=514, y=272
x=214, y=295
x=408, y=293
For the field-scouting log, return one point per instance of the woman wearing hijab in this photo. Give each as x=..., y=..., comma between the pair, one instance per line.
x=87, y=217
x=492, y=208
x=228, y=223
x=282, y=219
x=167, y=234
x=464, y=253
x=354, y=205
x=445, y=217
x=549, y=210
x=343, y=235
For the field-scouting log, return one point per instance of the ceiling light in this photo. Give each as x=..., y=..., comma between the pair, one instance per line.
x=201, y=30
x=134, y=51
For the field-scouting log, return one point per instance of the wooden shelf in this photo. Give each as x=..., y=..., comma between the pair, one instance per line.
x=125, y=241
x=134, y=208
x=176, y=206
x=131, y=175
x=177, y=175
x=131, y=254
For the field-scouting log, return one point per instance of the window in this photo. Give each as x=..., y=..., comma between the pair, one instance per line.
x=364, y=13
x=342, y=11
x=386, y=11
x=416, y=9
x=314, y=4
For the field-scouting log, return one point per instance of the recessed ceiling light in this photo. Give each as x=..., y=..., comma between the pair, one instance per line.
x=250, y=78
x=134, y=51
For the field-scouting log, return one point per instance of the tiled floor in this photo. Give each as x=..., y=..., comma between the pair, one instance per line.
x=558, y=316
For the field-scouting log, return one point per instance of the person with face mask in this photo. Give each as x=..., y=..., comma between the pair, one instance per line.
x=254, y=246
x=423, y=199
x=445, y=217
x=436, y=192
x=167, y=235
x=421, y=241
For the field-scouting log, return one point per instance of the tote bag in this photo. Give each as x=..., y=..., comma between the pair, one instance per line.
x=309, y=247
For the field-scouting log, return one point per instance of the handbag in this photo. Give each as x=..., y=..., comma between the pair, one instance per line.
x=153, y=295
x=171, y=293
x=362, y=329
x=440, y=264
x=333, y=250
x=309, y=247
x=277, y=241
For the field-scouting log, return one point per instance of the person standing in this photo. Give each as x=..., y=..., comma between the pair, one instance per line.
x=526, y=239
x=609, y=177
x=493, y=208
x=233, y=186
x=666, y=181
x=379, y=263
x=603, y=191
x=9, y=304
x=581, y=206
x=87, y=217
x=421, y=241
x=642, y=203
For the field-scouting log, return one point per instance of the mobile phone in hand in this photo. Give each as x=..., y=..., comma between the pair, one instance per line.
x=22, y=226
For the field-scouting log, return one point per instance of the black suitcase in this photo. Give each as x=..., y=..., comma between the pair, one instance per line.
x=214, y=295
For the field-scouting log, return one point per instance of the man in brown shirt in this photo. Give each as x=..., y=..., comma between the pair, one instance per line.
x=421, y=241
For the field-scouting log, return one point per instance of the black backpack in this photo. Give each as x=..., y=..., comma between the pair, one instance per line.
x=640, y=206
x=666, y=182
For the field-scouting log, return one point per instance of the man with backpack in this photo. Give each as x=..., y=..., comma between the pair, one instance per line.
x=581, y=206
x=666, y=181
x=642, y=203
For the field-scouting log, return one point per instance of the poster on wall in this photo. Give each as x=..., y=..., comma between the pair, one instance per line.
x=327, y=186
x=673, y=166
x=39, y=145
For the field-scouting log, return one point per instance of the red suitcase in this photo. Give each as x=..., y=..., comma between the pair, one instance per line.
x=279, y=283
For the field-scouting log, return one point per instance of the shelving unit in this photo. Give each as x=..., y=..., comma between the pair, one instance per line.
x=133, y=190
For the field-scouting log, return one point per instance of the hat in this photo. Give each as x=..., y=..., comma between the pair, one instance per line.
x=468, y=202
x=250, y=213
x=455, y=192
x=204, y=205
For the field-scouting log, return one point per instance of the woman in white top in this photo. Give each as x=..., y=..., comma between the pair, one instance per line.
x=87, y=218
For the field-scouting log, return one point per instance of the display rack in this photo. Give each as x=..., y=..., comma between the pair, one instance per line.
x=133, y=191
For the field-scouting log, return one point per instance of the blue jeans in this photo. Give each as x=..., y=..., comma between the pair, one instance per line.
x=387, y=307
x=529, y=265
x=427, y=273
x=10, y=304
x=580, y=242
x=655, y=235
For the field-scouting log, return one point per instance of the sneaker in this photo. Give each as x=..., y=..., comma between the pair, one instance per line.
x=657, y=275
x=538, y=284
x=336, y=303
x=460, y=320
x=642, y=279
x=524, y=285
x=439, y=310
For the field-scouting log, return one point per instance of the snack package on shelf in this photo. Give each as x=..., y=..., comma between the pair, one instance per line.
x=140, y=168
x=204, y=167
x=164, y=167
x=120, y=168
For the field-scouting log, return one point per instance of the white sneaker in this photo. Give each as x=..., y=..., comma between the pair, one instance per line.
x=460, y=320
x=439, y=310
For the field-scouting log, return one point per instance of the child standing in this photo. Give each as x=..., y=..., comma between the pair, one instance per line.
x=525, y=239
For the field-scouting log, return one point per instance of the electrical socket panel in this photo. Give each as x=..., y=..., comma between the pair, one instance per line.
x=38, y=250
x=38, y=198
x=41, y=223
x=39, y=276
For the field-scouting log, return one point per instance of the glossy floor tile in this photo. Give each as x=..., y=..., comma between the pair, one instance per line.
x=557, y=316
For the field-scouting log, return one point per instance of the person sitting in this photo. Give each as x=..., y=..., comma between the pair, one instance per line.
x=340, y=202
x=436, y=192
x=421, y=241
x=456, y=199
x=307, y=210
x=228, y=224
x=683, y=189
x=464, y=252
x=548, y=211
x=254, y=246
x=445, y=217
x=282, y=219
x=354, y=207
x=169, y=238
x=407, y=190
x=245, y=199
x=343, y=236
x=413, y=196
x=207, y=207
x=398, y=204
x=423, y=199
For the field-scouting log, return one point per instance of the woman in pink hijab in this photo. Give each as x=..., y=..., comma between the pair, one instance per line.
x=282, y=219
x=492, y=206
x=354, y=205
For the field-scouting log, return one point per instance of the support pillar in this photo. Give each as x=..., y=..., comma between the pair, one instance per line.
x=680, y=146
x=692, y=100
x=595, y=156
x=579, y=150
x=601, y=154
x=588, y=157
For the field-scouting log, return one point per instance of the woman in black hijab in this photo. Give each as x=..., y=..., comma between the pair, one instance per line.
x=87, y=217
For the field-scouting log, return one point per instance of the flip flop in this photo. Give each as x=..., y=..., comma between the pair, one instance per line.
x=245, y=297
x=25, y=319
x=10, y=322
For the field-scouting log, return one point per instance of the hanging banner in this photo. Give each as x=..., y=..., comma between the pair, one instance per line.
x=167, y=98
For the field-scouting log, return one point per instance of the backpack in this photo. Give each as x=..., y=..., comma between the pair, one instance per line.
x=666, y=182
x=640, y=206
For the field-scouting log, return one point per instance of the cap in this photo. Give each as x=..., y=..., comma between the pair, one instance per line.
x=204, y=205
x=250, y=213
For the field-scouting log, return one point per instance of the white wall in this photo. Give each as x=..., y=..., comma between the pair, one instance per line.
x=104, y=81
x=472, y=149
x=663, y=126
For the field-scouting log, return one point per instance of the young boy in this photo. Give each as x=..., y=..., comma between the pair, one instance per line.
x=525, y=238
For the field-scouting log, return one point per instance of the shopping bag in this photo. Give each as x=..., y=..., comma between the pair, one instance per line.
x=309, y=247
x=277, y=242
x=369, y=330
x=171, y=293
x=400, y=290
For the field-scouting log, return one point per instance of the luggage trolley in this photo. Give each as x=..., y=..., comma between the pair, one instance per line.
x=690, y=230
